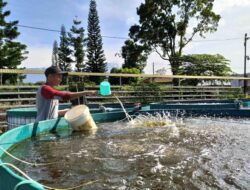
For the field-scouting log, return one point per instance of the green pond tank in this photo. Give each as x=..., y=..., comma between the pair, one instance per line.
x=22, y=116
x=205, y=153
x=10, y=179
x=13, y=180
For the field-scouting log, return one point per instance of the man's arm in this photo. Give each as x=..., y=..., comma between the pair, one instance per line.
x=74, y=95
x=49, y=93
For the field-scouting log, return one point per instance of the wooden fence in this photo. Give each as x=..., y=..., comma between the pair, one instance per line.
x=24, y=96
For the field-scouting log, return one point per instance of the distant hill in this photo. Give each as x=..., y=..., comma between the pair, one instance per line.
x=32, y=78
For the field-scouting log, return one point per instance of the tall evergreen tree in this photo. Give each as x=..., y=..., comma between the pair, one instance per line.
x=55, y=54
x=64, y=51
x=96, y=58
x=76, y=36
x=12, y=53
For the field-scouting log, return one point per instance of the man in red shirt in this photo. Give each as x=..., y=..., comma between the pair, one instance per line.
x=47, y=97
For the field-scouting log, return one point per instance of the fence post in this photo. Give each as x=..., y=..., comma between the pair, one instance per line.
x=77, y=91
x=120, y=81
x=179, y=83
x=18, y=87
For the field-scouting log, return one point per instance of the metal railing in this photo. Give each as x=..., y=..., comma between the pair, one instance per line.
x=19, y=96
x=13, y=96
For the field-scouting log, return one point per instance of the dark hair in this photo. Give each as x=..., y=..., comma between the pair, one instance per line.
x=53, y=70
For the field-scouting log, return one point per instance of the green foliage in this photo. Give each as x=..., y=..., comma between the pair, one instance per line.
x=134, y=55
x=127, y=80
x=55, y=54
x=12, y=53
x=148, y=89
x=76, y=86
x=89, y=83
x=163, y=26
x=61, y=88
x=39, y=83
x=142, y=86
x=76, y=36
x=64, y=51
x=96, y=58
x=234, y=94
x=203, y=65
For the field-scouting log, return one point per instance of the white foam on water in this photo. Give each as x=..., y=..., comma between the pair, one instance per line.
x=158, y=120
x=158, y=152
x=158, y=167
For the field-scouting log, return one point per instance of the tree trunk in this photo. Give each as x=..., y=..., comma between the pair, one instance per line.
x=175, y=70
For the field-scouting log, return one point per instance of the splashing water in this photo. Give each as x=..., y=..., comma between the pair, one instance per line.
x=126, y=113
x=158, y=120
x=150, y=120
x=203, y=153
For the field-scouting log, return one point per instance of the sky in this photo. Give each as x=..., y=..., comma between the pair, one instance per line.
x=116, y=17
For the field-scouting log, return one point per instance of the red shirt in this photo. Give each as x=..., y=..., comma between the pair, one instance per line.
x=49, y=92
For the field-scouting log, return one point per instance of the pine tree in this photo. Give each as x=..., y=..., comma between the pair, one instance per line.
x=55, y=54
x=64, y=51
x=76, y=36
x=96, y=58
x=12, y=53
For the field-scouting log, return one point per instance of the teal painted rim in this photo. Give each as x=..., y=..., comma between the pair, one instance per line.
x=16, y=135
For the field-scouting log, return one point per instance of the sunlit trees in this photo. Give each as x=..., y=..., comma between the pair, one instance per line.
x=204, y=65
x=12, y=53
x=55, y=54
x=64, y=51
x=163, y=26
x=76, y=36
x=95, y=54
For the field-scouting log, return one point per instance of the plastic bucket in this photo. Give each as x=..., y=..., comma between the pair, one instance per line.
x=79, y=118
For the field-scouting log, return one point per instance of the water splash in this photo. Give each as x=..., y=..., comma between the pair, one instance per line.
x=149, y=120
x=204, y=153
x=158, y=120
x=126, y=113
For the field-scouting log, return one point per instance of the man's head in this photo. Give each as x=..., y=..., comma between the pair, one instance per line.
x=54, y=75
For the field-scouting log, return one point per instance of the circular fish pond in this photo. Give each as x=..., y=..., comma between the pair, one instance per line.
x=151, y=153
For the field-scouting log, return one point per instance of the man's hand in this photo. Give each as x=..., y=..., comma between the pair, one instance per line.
x=75, y=95
x=92, y=93
x=62, y=112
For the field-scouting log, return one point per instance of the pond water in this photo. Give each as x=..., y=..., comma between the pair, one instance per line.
x=195, y=153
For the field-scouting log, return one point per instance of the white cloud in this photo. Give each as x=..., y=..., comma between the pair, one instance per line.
x=114, y=9
x=222, y=22
x=117, y=15
x=131, y=21
x=38, y=57
x=41, y=57
x=222, y=5
x=113, y=58
x=158, y=64
x=116, y=61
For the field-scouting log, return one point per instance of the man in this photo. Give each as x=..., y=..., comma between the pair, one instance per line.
x=47, y=97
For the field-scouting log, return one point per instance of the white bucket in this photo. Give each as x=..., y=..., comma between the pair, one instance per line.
x=79, y=118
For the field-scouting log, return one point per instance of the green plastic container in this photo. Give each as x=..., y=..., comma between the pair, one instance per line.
x=105, y=88
x=22, y=116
